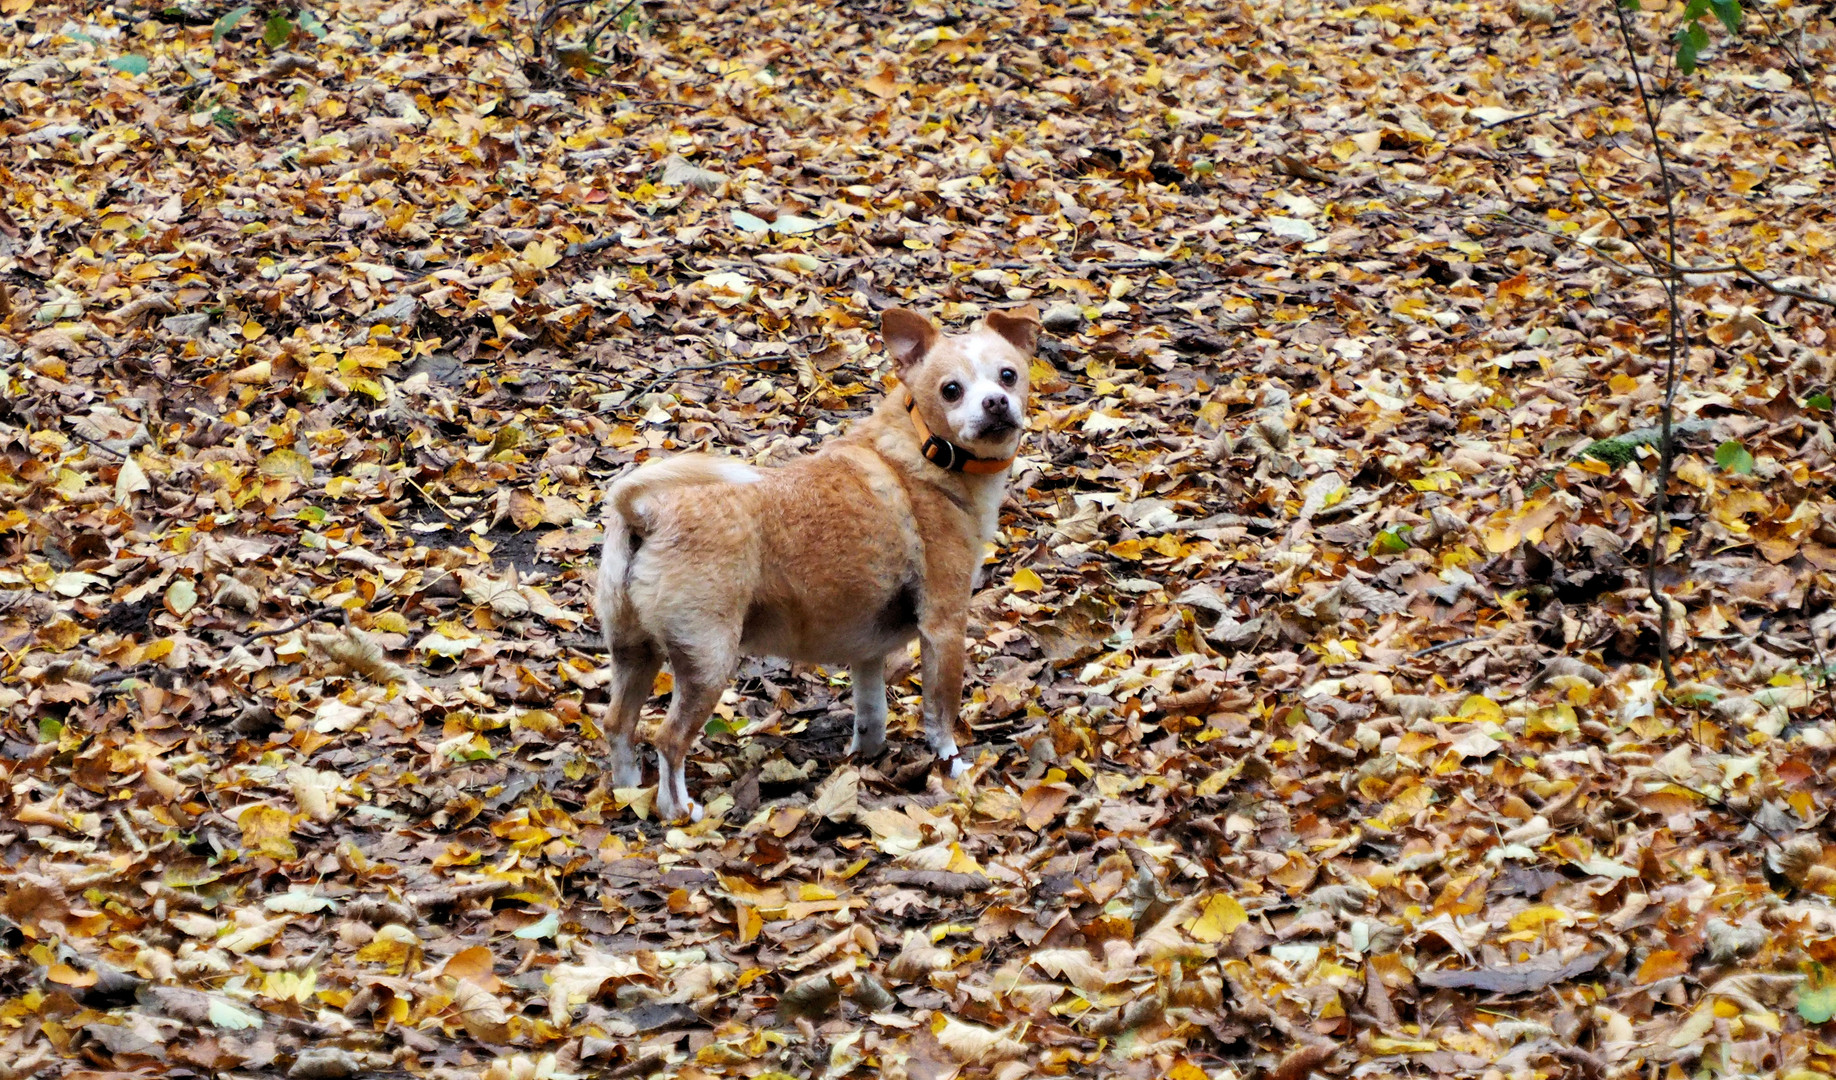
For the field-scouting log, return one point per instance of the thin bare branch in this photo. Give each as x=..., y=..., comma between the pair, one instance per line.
x=1673, y=348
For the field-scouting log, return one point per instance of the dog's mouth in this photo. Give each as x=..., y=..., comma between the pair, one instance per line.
x=996, y=429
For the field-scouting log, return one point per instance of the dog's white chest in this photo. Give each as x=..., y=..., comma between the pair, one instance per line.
x=985, y=501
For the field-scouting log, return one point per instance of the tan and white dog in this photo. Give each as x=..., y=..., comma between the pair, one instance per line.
x=840, y=557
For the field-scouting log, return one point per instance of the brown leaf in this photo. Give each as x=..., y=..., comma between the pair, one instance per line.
x=1301, y=1060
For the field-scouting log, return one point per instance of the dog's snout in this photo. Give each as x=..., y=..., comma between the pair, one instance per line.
x=995, y=405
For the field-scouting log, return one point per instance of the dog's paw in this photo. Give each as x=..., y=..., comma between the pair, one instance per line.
x=691, y=811
x=872, y=750
x=958, y=766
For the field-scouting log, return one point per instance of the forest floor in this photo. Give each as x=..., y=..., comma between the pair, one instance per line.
x=1317, y=713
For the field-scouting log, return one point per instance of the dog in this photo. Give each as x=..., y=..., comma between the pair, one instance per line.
x=840, y=557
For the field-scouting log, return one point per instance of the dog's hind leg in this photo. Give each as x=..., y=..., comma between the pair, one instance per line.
x=634, y=673
x=869, y=708
x=701, y=675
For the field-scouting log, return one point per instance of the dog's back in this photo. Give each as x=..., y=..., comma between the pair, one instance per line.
x=819, y=560
x=635, y=512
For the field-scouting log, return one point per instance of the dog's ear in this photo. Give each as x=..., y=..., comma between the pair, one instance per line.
x=908, y=335
x=1020, y=327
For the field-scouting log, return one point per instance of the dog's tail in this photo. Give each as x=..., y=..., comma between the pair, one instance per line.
x=630, y=521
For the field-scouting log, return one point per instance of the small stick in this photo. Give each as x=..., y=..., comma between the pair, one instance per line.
x=1455, y=643
x=431, y=501
x=290, y=627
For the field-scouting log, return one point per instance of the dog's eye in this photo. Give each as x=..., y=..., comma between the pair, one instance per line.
x=952, y=391
x=1009, y=376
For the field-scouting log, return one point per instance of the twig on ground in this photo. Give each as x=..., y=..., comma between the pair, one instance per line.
x=1802, y=71
x=433, y=502
x=667, y=376
x=1455, y=643
x=1664, y=267
x=322, y=613
x=593, y=38
x=1514, y=119
x=547, y=22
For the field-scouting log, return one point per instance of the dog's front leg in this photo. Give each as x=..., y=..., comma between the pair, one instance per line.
x=940, y=646
x=869, y=708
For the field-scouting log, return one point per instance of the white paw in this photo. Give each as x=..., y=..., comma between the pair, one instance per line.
x=958, y=766
x=673, y=802
x=626, y=772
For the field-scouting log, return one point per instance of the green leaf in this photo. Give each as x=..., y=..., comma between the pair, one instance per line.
x=719, y=726
x=229, y=21
x=1733, y=457
x=1691, y=40
x=1728, y=11
x=1390, y=542
x=279, y=29
x=1695, y=10
x=49, y=728
x=1819, y=401
x=132, y=64
x=1817, y=998
x=545, y=927
x=311, y=24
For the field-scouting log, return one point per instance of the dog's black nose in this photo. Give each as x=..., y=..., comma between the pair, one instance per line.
x=995, y=405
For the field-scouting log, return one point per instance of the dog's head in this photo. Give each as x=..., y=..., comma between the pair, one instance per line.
x=971, y=387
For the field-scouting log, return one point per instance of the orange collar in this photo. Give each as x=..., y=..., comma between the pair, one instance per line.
x=945, y=454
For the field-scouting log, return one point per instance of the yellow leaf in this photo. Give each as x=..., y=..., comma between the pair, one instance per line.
x=69, y=976
x=287, y=464
x=526, y=511
x=268, y=830
x=747, y=922
x=1027, y=580
x=1126, y=549
x=1535, y=918
x=1481, y=709
x=255, y=373
x=394, y=946
x=253, y=330
x=1554, y=720
x=1499, y=540
x=372, y=356
x=1220, y=919
x=542, y=254
x=291, y=986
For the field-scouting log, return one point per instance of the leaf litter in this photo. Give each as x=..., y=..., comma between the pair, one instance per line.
x=1315, y=702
